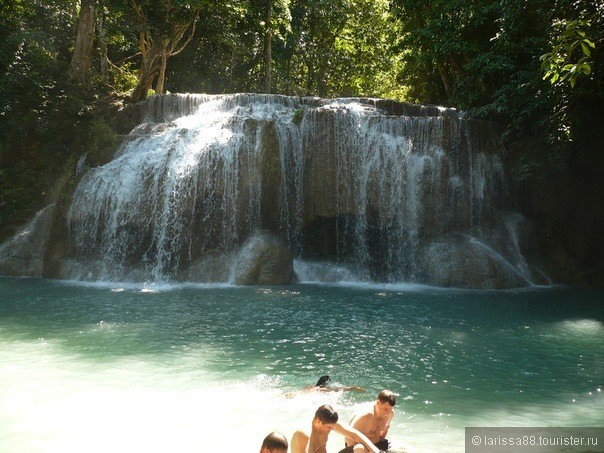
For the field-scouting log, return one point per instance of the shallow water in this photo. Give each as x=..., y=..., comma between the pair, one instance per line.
x=195, y=368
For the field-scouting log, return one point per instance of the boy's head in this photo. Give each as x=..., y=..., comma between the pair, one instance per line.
x=323, y=380
x=325, y=418
x=274, y=443
x=385, y=404
x=386, y=396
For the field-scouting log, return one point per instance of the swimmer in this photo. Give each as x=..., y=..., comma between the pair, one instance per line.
x=374, y=422
x=324, y=422
x=321, y=386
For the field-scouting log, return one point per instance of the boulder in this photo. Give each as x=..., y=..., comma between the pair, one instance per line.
x=464, y=262
x=263, y=260
x=23, y=254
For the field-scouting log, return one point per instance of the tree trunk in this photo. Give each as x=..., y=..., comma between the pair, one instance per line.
x=144, y=85
x=82, y=51
x=159, y=44
x=140, y=91
x=444, y=76
x=268, y=47
x=103, y=44
x=161, y=72
x=147, y=73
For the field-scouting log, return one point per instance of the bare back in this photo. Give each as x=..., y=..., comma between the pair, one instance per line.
x=303, y=443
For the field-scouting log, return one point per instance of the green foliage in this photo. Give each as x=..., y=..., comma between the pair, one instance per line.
x=102, y=141
x=16, y=191
x=298, y=115
x=40, y=113
x=483, y=56
x=571, y=56
x=320, y=47
x=123, y=79
x=531, y=64
x=117, y=29
x=363, y=62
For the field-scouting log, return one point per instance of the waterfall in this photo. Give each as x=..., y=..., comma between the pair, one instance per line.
x=368, y=185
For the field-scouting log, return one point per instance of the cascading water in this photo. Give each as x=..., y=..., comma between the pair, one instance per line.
x=370, y=186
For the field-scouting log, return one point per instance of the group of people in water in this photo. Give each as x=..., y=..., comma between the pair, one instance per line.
x=366, y=432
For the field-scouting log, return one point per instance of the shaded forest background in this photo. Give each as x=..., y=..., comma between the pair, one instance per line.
x=67, y=67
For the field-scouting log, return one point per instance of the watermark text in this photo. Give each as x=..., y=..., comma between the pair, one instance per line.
x=533, y=440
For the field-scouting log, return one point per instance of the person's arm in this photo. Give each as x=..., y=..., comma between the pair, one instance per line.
x=354, y=388
x=357, y=436
x=299, y=442
x=384, y=432
x=340, y=389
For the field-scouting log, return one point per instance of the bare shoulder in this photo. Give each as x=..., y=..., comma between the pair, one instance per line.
x=365, y=416
x=364, y=409
x=299, y=442
x=362, y=421
x=300, y=434
x=363, y=413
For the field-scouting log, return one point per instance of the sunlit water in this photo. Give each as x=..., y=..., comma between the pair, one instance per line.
x=127, y=368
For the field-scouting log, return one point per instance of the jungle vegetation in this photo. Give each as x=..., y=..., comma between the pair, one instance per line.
x=66, y=66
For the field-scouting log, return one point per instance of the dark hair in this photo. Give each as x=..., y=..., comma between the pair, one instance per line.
x=326, y=414
x=386, y=396
x=322, y=381
x=274, y=440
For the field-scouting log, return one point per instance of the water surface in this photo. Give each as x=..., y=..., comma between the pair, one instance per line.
x=195, y=368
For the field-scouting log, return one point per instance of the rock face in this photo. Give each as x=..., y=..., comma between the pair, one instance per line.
x=23, y=254
x=263, y=260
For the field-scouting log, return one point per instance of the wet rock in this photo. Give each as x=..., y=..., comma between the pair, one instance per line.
x=464, y=262
x=23, y=254
x=263, y=260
